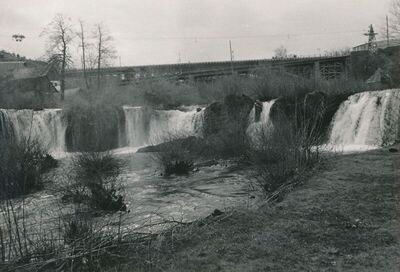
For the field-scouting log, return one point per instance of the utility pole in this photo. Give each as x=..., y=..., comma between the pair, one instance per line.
x=387, y=30
x=231, y=54
x=371, y=34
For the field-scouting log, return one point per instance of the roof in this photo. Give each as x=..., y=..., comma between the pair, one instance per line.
x=25, y=69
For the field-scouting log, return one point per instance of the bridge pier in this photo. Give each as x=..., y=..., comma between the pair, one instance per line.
x=317, y=71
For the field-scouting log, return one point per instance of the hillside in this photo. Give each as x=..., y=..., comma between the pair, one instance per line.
x=8, y=56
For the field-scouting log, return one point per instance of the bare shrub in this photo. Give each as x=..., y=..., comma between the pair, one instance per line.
x=97, y=164
x=174, y=156
x=21, y=167
x=92, y=124
x=288, y=151
x=96, y=182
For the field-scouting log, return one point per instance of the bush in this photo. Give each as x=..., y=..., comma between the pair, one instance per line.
x=97, y=164
x=178, y=167
x=93, y=125
x=96, y=182
x=287, y=152
x=76, y=228
x=21, y=167
x=174, y=156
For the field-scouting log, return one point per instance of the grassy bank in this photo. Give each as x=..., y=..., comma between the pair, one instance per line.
x=345, y=218
x=342, y=218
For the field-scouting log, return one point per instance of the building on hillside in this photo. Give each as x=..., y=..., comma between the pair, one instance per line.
x=378, y=44
x=28, y=76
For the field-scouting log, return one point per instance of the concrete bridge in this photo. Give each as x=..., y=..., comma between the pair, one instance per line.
x=327, y=67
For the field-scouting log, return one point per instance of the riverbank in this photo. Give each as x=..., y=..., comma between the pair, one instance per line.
x=345, y=218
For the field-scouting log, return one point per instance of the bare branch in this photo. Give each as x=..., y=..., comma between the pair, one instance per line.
x=59, y=33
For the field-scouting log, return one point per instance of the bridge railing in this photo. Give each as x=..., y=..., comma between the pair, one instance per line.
x=253, y=62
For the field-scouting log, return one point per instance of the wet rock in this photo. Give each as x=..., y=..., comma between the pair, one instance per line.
x=217, y=212
x=189, y=144
x=48, y=163
x=222, y=116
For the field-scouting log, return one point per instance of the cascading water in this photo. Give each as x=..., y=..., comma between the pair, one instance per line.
x=144, y=126
x=45, y=126
x=261, y=126
x=367, y=119
x=136, y=125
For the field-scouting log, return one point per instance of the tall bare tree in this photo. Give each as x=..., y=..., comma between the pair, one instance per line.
x=281, y=52
x=59, y=35
x=83, y=44
x=394, y=24
x=104, y=49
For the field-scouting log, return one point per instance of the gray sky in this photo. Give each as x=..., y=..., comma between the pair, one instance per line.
x=158, y=31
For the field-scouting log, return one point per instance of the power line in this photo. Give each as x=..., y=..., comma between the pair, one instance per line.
x=227, y=37
x=241, y=36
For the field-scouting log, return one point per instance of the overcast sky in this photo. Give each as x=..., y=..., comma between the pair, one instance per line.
x=158, y=31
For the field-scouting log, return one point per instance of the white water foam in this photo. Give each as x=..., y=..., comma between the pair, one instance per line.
x=367, y=120
x=262, y=127
x=45, y=126
x=145, y=126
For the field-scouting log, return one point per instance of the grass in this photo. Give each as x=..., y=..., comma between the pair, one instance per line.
x=343, y=219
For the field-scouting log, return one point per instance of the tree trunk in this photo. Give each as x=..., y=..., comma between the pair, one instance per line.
x=84, y=57
x=62, y=83
x=99, y=60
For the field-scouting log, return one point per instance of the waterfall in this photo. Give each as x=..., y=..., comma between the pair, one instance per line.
x=260, y=124
x=144, y=126
x=45, y=126
x=136, y=125
x=367, y=119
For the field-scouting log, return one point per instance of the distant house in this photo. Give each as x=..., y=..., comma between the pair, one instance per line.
x=28, y=76
x=379, y=45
